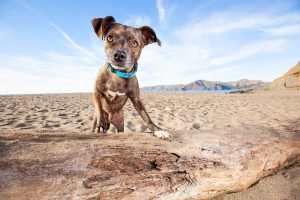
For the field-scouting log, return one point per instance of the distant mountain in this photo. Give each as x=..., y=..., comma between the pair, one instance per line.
x=290, y=79
x=209, y=85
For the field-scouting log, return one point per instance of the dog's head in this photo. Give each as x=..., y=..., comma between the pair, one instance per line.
x=123, y=44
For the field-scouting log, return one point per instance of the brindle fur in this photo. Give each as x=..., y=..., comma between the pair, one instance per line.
x=108, y=109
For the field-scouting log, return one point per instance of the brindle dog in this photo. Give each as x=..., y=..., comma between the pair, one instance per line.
x=123, y=45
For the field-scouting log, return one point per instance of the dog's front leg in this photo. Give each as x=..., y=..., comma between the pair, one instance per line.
x=139, y=106
x=100, y=118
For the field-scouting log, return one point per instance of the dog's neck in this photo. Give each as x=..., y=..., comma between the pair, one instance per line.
x=123, y=73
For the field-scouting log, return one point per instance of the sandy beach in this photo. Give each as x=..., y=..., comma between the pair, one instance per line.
x=273, y=110
x=180, y=111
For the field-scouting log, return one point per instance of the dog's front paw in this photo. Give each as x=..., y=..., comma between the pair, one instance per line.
x=153, y=127
x=162, y=134
x=99, y=122
x=96, y=125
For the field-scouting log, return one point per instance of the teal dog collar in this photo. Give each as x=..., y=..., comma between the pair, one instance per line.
x=121, y=74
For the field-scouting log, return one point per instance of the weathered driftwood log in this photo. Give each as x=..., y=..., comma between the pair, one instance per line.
x=194, y=165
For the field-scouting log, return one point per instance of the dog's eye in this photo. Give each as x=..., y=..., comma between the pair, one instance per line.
x=110, y=38
x=134, y=43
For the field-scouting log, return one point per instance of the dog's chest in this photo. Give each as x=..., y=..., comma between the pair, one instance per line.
x=114, y=94
x=115, y=90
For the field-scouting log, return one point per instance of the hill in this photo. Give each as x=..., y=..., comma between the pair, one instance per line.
x=290, y=79
x=209, y=85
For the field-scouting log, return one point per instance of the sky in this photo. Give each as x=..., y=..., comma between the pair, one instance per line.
x=50, y=46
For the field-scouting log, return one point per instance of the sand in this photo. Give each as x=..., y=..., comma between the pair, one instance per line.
x=274, y=110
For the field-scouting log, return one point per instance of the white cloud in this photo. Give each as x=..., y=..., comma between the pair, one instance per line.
x=160, y=9
x=25, y=60
x=138, y=21
x=54, y=72
x=186, y=62
x=25, y=82
x=196, y=52
x=214, y=74
x=288, y=30
x=229, y=21
x=90, y=56
x=249, y=50
x=207, y=46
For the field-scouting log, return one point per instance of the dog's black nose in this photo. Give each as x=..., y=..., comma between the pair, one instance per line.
x=120, y=56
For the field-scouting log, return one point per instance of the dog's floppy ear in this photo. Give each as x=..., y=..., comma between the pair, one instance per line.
x=149, y=35
x=101, y=25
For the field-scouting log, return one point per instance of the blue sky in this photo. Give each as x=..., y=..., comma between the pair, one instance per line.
x=50, y=46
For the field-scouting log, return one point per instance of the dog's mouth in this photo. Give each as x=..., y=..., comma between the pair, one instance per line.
x=118, y=65
x=121, y=66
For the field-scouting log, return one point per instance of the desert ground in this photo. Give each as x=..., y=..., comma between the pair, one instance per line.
x=180, y=112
